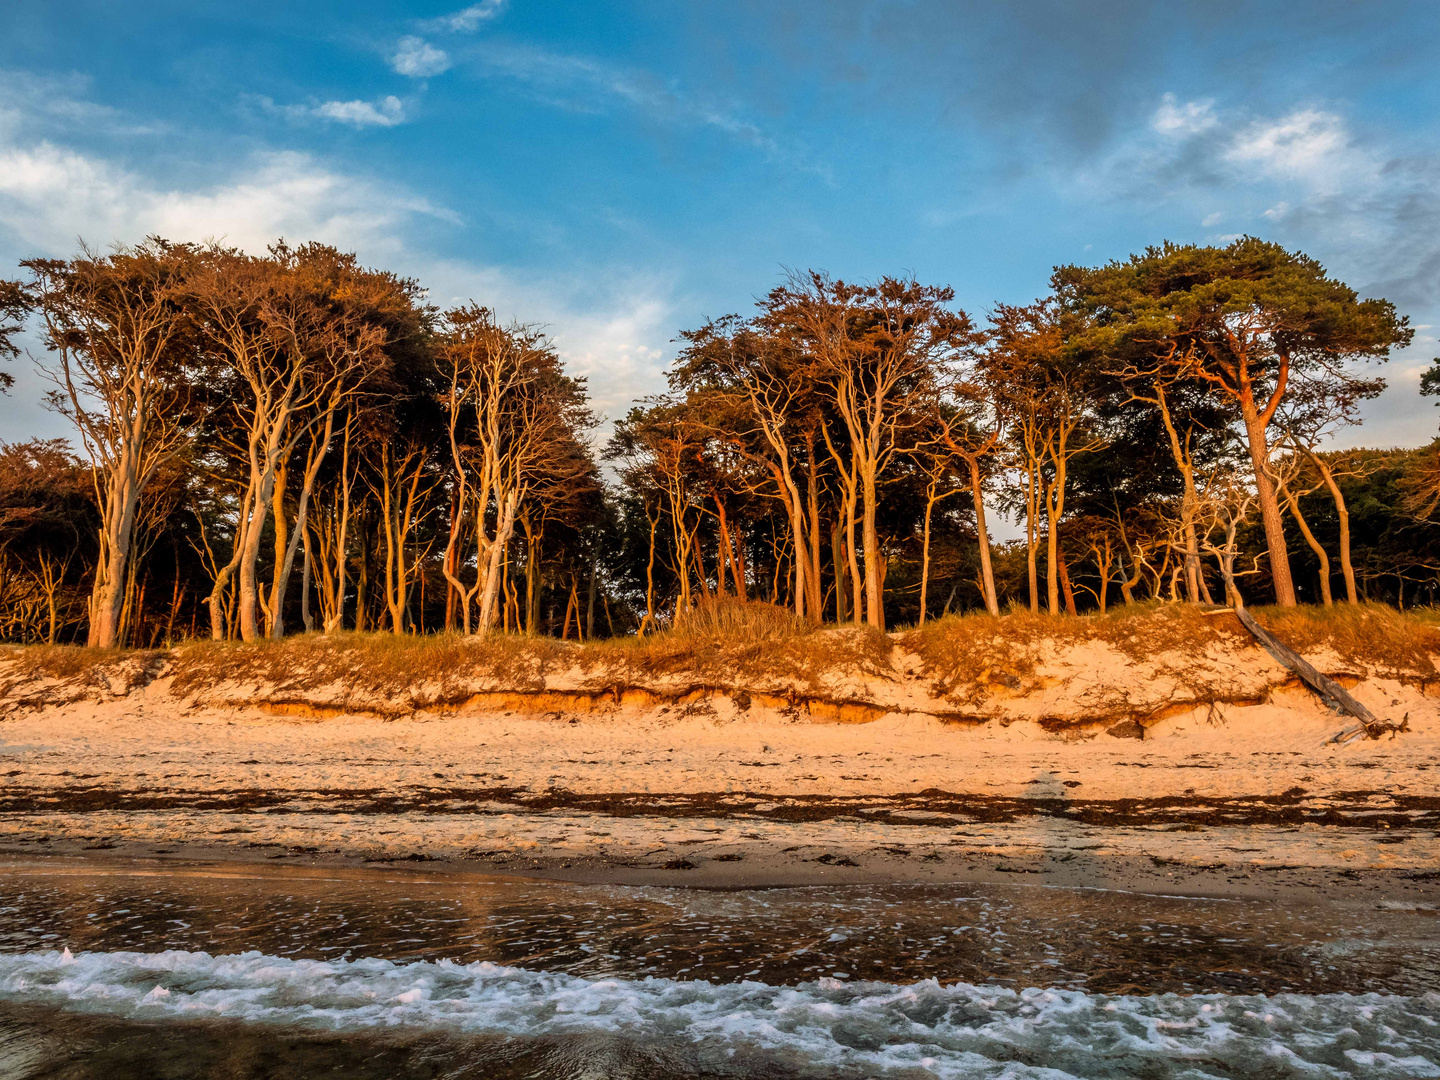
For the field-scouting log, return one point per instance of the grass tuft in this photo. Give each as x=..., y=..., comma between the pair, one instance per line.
x=1372, y=636
x=378, y=663
x=69, y=662
x=969, y=655
x=729, y=642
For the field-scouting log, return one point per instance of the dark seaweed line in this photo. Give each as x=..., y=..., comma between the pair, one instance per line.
x=927, y=808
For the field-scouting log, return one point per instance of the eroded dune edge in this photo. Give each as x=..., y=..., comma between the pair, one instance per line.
x=1157, y=748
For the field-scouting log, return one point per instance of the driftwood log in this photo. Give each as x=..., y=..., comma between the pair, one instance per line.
x=1329, y=691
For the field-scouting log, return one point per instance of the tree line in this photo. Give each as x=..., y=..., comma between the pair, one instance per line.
x=268, y=443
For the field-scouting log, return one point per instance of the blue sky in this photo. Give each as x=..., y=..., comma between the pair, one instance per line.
x=619, y=171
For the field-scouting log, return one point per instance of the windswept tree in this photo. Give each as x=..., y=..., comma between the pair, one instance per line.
x=124, y=367
x=301, y=336
x=879, y=351
x=661, y=450
x=514, y=418
x=1313, y=412
x=46, y=519
x=755, y=391
x=1248, y=319
x=1044, y=385
x=971, y=429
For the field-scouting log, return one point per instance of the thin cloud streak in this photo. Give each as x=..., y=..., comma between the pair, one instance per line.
x=467, y=20
x=582, y=85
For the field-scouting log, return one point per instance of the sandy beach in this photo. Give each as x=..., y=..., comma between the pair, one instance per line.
x=1218, y=799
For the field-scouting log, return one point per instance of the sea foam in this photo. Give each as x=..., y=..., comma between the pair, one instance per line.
x=872, y=1028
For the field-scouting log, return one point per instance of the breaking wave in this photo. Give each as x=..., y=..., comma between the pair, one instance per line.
x=871, y=1028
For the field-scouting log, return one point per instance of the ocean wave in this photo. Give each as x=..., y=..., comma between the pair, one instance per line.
x=872, y=1028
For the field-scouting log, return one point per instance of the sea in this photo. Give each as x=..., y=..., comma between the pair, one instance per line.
x=134, y=968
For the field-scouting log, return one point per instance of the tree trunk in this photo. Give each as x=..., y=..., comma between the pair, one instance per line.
x=874, y=583
x=925, y=558
x=1032, y=536
x=590, y=599
x=837, y=557
x=987, y=572
x=504, y=528
x=1342, y=512
x=532, y=579
x=1269, y=507
x=812, y=569
x=306, y=619
x=107, y=597
x=857, y=595
x=1065, y=588
x=250, y=557
x=1294, y=504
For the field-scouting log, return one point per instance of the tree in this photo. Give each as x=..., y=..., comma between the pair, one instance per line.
x=758, y=394
x=522, y=416
x=124, y=371
x=1044, y=388
x=46, y=513
x=15, y=302
x=1247, y=319
x=301, y=335
x=879, y=351
x=1314, y=410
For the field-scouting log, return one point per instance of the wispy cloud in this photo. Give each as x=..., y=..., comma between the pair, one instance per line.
x=1176, y=118
x=60, y=102
x=582, y=85
x=1307, y=145
x=386, y=113
x=416, y=58
x=466, y=20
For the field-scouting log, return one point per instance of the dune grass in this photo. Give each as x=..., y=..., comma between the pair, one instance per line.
x=750, y=645
x=68, y=662
x=379, y=663
x=1372, y=636
x=724, y=642
x=720, y=643
x=977, y=649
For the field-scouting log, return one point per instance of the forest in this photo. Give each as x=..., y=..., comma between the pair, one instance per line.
x=293, y=442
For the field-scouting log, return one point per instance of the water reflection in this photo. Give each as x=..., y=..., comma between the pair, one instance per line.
x=986, y=934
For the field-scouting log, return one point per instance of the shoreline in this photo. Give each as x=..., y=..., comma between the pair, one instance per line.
x=1213, y=863
x=1389, y=889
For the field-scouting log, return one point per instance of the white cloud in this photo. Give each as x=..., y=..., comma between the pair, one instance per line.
x=1278, y=211
x=1212, y=219
x=617, y=333
x=611, y=325
x=467, y=19
x=387, y=113
x=50, y=195
x=1173, y=118
x=418, y=59
x=1306, y=144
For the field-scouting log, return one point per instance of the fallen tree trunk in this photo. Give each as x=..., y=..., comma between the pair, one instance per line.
x=1329, y=691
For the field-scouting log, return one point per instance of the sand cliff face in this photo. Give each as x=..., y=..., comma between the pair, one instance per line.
x=1067, y=689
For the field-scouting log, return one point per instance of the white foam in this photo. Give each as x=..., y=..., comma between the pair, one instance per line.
x=873, y=1028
